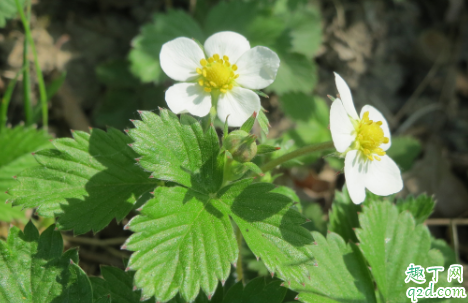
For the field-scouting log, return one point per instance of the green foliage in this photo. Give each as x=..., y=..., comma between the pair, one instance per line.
x=314, y=213
x=116, y=287
x=86, y=181
x=420, y=207
x=404, y=151
x=390, y=241
x=189, y=227
x=343, y=216
x=311, y=127
x=17, y=144
x=144, y=56
x=340, y=274
x=256, y=291
x=125, y=95
x=8, y=10
x=35, y=270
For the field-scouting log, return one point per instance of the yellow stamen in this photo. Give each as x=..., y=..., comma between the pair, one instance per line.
x=199, y=71
x=234, y=67
x=217, y=73
x=369, y=138
x=226, y=58
x=200, y=82
x=203, y=62
x=207, y=89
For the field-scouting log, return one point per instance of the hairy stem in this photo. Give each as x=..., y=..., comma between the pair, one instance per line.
x=297, y=153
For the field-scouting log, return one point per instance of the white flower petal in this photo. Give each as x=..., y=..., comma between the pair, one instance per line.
x=375, y=116
x=355, y=174
x=257, y=67
x=179, y=59
x=239, y=103
x=340, y=126
x=188, y=98
x=383, y=177
x=228, y=44
x=345, y=96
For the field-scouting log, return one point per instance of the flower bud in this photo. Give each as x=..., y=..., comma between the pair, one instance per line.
x=241, y=145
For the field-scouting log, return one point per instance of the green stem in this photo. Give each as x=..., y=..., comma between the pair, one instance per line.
x=297, y=153
x=40, y=78
x=239, y=269
x=28, y=113
x=5, y=101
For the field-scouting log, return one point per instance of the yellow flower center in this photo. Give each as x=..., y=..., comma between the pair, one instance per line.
x=217, y=73
x=369, y=136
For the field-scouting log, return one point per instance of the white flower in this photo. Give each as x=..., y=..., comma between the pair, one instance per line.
x=363, y=140
x=228, y=68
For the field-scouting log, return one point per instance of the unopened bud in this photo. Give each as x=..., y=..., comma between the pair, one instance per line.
x=241, y=145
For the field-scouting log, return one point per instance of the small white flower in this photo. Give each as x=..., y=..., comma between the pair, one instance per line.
x=363, y=141
x=228, y=68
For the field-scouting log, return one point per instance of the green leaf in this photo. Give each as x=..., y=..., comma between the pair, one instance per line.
x=184, y=238
x=144, y=56
x=447, y=252
x=420, y=207
x=15, y=155
x=304, y=23
x=35, y=270
x=8, y=10
x=231, y=16
x=302, y=107
x=116, y=73
x=86, y=181
x=295, y=74
x=404, y=151
x=314, y=213
x=256, y=291
x=340, y=274
x=343, y=216
x=390, y=241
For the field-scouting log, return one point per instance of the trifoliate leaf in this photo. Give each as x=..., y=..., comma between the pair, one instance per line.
x=86, y=181
x=35, y=270
x=390, y=241
x=184, y=238
x=295, y=74
x=144, y=56
x=17, y=144
x=340, y=274
x=420, y=207
x=343, y=216
x=8, y=10
x=256, y=291
x=404, y=151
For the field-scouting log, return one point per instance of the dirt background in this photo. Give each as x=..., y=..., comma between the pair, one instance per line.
x=408, y=58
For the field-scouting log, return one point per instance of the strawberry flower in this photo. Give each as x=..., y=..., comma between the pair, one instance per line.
x=363, y=140
x=226, y=71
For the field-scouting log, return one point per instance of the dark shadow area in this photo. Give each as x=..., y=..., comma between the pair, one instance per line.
x=111, y=193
